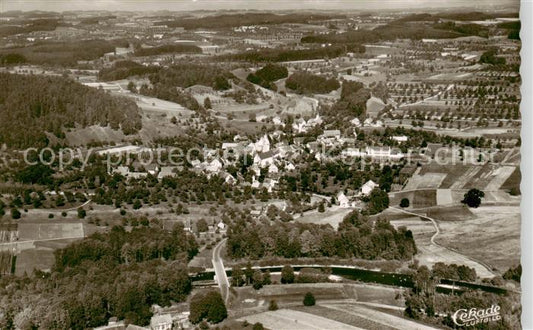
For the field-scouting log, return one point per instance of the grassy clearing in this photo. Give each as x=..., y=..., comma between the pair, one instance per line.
x=494, y=236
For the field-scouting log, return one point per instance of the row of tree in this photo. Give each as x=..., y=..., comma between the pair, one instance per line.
x=356, y=237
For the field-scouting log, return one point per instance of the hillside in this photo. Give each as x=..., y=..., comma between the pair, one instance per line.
x=33, y=105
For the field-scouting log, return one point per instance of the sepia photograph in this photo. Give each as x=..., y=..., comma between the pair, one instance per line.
x=251, y=164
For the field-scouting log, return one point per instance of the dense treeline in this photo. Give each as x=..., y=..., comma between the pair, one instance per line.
x=128, y=247
x=233, y=20
x=513, y=29
x=352, y=103
x=167, y=49
x=33, y=105
x=466, y=29
x=307, y=83
x=10, y=59
x=423, y=302
x=28, y=26
x=124, y=69
x=357, y=237
x=84, y=291
x=164, y=82
x=65, y=53
x=489, y=57
x=284, y=55
x=267, y=75
x=390, y=31
x=187, y=75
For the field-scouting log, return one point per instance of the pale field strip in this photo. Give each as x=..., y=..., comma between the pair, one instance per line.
x=285, y=319
x=444, y=197
x=465, y=177
x=379, y=317
x=42, y=231
x=499, y=176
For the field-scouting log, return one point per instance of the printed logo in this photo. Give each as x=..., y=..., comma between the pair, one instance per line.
x=473, y=316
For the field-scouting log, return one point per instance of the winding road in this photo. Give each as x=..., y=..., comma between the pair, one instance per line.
x=220, y=273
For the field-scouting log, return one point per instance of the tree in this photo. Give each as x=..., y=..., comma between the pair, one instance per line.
x=209, y=306
x=321, y=208
x=273, y=305
x=237, y=277
x=131, y=87
x=202, y=226
x=287, y=275
x=404, y=203
x=207, y=103
x=266, y=278
x=473, y=198
x=257, y=279
x=309, y=299
x=258, y=326
x=15, y=213
x=81, y=213
x=137, y=204
x=249, y=273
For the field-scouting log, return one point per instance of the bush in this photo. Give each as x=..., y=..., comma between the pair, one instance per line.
x=287, y=275
x=82, y=213
x=258, y=326
x=15, y=214
x=473, y=198
x=404, y=202
x=309, y=299
x=273, y=306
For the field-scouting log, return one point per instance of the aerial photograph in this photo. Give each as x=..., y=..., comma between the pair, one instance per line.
x=242, y=164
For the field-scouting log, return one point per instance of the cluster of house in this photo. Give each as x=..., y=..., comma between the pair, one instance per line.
x=268, y=159
x=350, y=201
x=159, y=321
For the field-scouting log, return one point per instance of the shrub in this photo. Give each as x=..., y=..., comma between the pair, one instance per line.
x=309, y=299
x=404, y=202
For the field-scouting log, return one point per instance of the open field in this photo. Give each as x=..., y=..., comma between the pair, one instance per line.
x=384, y=320
x=417, y=198
x=295, y=320
x=28, y=260
x=426, y=180
x=333, y=216
x=343, y=317
x=493, y=236
x=430, y=253
x=38, y=231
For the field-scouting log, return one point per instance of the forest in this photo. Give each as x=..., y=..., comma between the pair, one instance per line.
x=34, y=105
x=357, y=237
x=307, y=83
x=122, y=275
x=186, y=75
x=234, y=20
x=284, y=55
x=168, y=49
x=29, y=25
x=266, y=76
x=124, y=69
x=65, y=53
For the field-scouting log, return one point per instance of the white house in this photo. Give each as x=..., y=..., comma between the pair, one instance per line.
x=161, y=322
x=400, y=138
x=343, y=200
x=214, y=166
x=367, y=188
x=262, y=145
x=272, y=169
